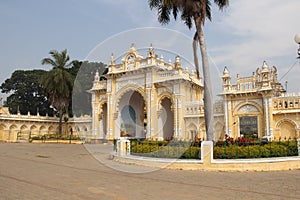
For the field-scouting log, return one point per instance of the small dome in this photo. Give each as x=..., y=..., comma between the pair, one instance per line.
x=132, y=47
x=265, y=67
x=226, y=72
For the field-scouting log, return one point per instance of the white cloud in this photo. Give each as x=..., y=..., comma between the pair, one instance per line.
x=258, y=30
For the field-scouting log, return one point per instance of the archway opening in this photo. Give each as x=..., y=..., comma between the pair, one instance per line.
x=103, y=121
x=166, y=119
x=287, y=130
x=3, y=135
x=249, y=126
x=132, y=115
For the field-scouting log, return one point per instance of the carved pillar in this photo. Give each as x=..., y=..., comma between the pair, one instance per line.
x=179, y=117
x=108, y=127
x=226, y=116
x=149, y=114
x=267, y=116
x=176, y=117
x=94, y=114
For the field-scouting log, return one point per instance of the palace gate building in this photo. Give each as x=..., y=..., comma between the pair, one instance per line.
x=148, y=97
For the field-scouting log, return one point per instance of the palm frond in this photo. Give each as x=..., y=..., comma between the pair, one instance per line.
x=222, y=3
x=48, y=61
x=154, y=3
x=208, y=10
x=164, y=15
x=175, y=11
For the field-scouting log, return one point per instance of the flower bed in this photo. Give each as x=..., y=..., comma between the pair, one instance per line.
x=166, y=149
x=227, y=149
x=254, y=148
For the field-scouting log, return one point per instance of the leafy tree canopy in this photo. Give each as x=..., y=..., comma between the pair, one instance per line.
x=85, y=72
x=26, y=94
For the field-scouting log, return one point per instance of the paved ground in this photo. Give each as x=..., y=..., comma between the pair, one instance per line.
x=57, y=171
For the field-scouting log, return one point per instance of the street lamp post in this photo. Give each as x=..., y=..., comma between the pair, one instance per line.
x=297, y=40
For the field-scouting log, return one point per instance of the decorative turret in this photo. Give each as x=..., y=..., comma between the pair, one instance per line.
x=96, y=77
x=151, y=52
x=265, y=75
x=226, y=78
x=112, y=60
x=265, y=67
x=177, y=62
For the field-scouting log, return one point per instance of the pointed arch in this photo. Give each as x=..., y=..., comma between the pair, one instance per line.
x=34, y=130
x=43, y=130
x=126, y=89
x=3, y=132
x=251, y=104
x=287, y=128
x=192, y=130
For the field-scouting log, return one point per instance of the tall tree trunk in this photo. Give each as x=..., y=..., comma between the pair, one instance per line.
x=60, y=122
x=208, y=96
x=195, y=42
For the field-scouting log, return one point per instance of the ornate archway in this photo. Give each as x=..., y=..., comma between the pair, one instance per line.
x=192, y=131
x=3, y=133
x=286, y=129
x=248, y=120
x=131, y=120
x=166, y=119
x=103, y=119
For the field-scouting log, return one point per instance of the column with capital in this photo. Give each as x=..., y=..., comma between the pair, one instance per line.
x=176, y=118
x=149, y=106
x=95, y=121
x=179, y=120
x=267, y=116
x=226, y=116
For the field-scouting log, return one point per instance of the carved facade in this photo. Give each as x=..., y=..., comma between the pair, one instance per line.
x=163, y=100
x=20, y=127
x=258, y=105
x=147, y=97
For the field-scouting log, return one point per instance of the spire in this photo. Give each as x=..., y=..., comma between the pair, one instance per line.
x=151, y=52
x=226, y=72
x=96, y=78
x=132, y=47
x=177, y=62
x=112, y=59
x=265, y=67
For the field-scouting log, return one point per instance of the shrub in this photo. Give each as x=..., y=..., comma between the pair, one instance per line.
x=251, y=150
x=165, y=149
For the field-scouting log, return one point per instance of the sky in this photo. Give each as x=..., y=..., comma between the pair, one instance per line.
x=240, y=37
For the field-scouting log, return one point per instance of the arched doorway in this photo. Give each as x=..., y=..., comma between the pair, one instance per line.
x=131, y=118
x=103, y=121
x=287, y=130
x=13, y=131
x=166, y=119
x=192, y=132
x=33, y=131
x=23, y=134
x=248, y=121
x=128, y=121
x=3, y=135
x=43, y=130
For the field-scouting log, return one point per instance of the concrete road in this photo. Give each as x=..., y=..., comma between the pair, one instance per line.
x=63, y=171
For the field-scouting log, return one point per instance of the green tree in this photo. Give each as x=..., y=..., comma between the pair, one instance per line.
x=84, y=73
x=26, y=93
x=193, y=11
x=58, y=82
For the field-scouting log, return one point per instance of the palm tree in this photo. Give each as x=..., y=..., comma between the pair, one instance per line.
x=58, y=82
x=196, y=11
